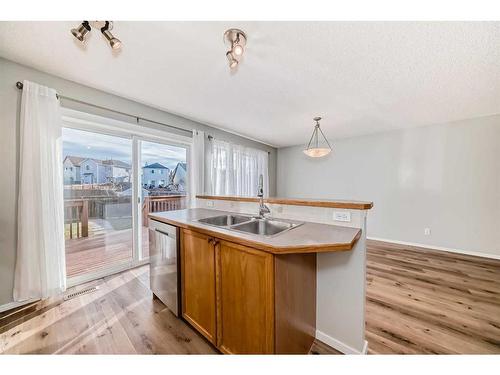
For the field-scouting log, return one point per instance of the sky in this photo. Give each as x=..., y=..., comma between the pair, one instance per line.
x=100, y=146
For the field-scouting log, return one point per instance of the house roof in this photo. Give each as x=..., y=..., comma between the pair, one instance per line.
x=116, y=163
x=75, y=160
x=179, y=165
x=155, y=166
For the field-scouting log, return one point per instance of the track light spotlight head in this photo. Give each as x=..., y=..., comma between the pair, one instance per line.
x=81, y=31
x=237, y=50
x=233, y=63
x=115, y=43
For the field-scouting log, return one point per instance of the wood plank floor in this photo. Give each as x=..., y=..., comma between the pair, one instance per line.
x=423, y=301
x=121, y=317
x=418, y=301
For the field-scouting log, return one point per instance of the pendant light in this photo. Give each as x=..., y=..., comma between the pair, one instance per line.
x=314, y=149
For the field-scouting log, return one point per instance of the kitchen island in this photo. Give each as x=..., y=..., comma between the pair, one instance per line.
x=249, y=293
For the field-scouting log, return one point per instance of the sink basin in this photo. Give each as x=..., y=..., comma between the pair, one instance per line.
x=225, y=220
x=265, y=227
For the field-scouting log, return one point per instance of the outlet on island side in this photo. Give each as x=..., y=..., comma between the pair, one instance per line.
x=210, y=204
x=342, y=216
x=427, y=231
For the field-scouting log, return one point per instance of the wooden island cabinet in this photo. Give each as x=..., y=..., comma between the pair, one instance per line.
x=248, y=301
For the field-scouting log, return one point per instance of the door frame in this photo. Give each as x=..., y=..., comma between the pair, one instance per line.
x=78, y=120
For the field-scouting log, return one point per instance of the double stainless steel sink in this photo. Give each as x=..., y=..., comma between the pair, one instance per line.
x=267, y=227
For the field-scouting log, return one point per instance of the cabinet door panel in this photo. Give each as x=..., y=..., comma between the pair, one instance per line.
x=198, y=282
x=245, y=299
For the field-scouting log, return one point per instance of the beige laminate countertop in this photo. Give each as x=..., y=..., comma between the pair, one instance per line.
x=306, y=238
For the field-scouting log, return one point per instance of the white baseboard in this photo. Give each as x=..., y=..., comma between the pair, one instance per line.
x=339, y=345
x=13, y=305
x=440, y=248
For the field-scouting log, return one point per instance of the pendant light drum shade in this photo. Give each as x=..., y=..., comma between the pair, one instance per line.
x=317, y=148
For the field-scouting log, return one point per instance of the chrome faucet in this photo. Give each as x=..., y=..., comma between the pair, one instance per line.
x=263, y=209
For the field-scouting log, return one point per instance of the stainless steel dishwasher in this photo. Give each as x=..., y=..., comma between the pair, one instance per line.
x=164, y=264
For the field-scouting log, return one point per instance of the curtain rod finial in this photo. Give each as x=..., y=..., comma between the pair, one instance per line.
x=19, y=85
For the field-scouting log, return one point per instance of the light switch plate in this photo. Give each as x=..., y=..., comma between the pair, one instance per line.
x=342, y=216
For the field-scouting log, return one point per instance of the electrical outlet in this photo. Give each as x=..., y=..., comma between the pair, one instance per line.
x=427, y=231
x=210, y=204
x=342, y=216
x=279, y=209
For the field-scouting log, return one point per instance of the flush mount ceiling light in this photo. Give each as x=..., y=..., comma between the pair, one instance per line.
x=81, y=32
x=314, y=149
x=236, y=40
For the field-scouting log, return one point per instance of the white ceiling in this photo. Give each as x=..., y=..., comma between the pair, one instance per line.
x=362, y=77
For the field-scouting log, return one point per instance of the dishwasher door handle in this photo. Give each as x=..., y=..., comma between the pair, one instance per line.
x=162, y=232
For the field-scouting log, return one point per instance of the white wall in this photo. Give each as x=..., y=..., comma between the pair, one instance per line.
x=443, y=177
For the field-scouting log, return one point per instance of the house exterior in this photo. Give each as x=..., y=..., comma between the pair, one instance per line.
x=71, y=171
x=155, y=175
x=179, y=176
x=79, y=170
x=92, y=171
x=117, y=171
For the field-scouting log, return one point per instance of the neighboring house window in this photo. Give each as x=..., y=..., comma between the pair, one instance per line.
x=152, y=171
x=87, y=167
x=71, y=169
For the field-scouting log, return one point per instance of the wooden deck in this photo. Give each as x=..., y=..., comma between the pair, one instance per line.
x=88, y=254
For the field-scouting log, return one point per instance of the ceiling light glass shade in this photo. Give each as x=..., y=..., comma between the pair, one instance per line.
x=80, y=32
x=316, y=147
x=317, y=152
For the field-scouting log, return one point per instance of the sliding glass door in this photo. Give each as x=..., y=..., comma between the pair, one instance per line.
x=114, y=176
x=163, y=181
x=97, y=171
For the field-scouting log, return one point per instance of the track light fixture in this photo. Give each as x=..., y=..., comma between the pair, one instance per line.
x=236, y=40
x=115, y=43
x=81, y=32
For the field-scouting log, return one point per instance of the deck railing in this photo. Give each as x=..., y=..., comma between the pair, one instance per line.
x=78, y=211
x=161, y=203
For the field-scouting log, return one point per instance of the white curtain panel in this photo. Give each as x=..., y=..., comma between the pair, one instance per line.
x=197, y=165
x=235, y=169
x=40, y=264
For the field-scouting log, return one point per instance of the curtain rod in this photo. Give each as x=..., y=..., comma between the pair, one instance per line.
x=20, y=85
x=210, y=138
